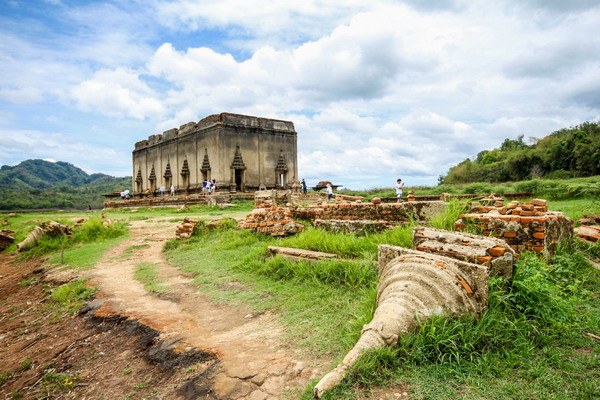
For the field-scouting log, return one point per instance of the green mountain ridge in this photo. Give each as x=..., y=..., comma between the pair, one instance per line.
x=40, y=184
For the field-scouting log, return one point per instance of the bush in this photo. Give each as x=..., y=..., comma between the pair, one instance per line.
x=478, y=188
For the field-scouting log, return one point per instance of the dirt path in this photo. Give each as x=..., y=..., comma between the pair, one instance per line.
x=253, y=364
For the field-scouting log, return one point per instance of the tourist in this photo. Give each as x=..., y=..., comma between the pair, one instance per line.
x=162, y=190
x=304, y=188
x=214, y=186
x=208, y=186
x=172, y=190
x=329, y=191
x=148, y=192
x=399, y=186
x=204, y=183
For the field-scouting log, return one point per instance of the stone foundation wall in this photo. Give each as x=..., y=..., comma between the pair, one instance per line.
x=399, y=212
x=169, y=201
x=275, y=221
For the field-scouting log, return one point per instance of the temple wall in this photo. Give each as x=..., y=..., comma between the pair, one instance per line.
x=262, y=142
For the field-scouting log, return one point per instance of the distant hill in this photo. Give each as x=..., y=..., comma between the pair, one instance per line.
x=566, y=153
x=38, y=184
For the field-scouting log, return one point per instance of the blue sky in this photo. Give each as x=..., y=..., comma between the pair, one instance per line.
x=377, y=90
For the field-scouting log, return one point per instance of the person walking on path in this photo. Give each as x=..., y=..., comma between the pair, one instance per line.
x=399, y=187
x=329, y=191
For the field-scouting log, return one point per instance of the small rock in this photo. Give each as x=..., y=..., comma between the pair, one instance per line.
x=257, y=395
x=259, y=379
x=274, y=385
x=277, y=369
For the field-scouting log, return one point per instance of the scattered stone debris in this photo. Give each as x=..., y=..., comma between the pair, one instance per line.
x=298, y=254
x=376, y=200
x=183, y=208
x=342, y=198
x=588, y=232
x=274, y=220
x=524, y=226
x=413, y=285
x=491, y=252
x=589, y=219
x=186, y=229
x=6, y=238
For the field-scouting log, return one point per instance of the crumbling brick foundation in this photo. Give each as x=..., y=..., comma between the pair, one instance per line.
x=491, y=252
x=397, y=213
x=359, y=227
x=524, y=226
x=274, y=220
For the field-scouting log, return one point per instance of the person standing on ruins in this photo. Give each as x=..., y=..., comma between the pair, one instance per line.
x=329, y=191
x=162, y=190
x=399, y=187
x=214, y=185
x=304, y=188
x=172, y=190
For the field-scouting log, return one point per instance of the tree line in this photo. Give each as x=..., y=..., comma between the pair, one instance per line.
x=566, y=153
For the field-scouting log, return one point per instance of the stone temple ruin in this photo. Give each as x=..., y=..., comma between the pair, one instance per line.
x=242, y=153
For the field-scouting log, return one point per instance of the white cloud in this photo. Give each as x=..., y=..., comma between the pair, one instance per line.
x=117, y=93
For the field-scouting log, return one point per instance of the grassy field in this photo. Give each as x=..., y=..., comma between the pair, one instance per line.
x=529, y=345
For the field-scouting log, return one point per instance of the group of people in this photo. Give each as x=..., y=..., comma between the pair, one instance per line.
x=162, y=191
x=209, y=186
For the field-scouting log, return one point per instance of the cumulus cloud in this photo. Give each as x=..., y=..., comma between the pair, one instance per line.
x=58, y=146
x=117, y=93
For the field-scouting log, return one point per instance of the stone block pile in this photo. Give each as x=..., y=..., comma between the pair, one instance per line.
x=6, y=238
x=525, y=226
x=274, y=221
x=590, y=233
x=186, y=228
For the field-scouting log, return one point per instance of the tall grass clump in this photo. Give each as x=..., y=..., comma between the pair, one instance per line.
x=447, y=218
x=351, y=274
x=349, y=244
x=92, y=230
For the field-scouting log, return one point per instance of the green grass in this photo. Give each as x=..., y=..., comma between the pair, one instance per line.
x=529, y=344
x=71, y=297
x=147, y=274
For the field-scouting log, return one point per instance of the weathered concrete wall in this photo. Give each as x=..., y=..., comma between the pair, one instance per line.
x=260, y=149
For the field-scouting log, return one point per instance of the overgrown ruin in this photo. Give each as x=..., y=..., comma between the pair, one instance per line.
x=241, y=152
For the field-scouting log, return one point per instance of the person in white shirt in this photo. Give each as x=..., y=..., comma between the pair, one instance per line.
x=329, y=191
x=399, y=186
x=172, y=190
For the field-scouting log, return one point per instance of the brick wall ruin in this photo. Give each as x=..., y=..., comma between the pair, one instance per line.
x=524, y=226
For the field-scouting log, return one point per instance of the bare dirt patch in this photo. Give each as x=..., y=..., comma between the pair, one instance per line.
x=129, y=344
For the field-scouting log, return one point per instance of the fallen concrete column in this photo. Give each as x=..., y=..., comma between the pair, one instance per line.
x=491, y=252
x=31, y=239
x=413, y=285
x=6, y=238
x=298, y=254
